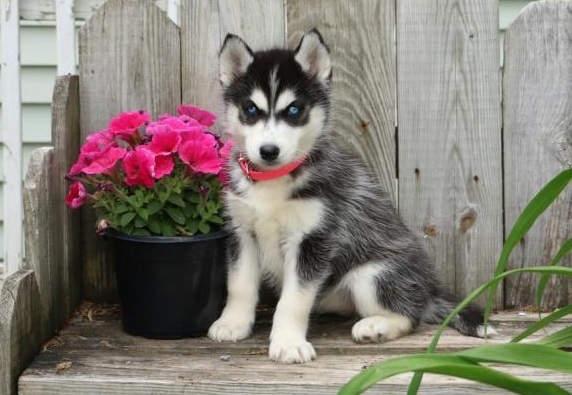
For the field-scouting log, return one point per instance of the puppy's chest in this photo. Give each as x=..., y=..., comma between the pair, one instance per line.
x=278, y=221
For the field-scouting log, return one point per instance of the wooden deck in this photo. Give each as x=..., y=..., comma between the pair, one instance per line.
x=92, y=355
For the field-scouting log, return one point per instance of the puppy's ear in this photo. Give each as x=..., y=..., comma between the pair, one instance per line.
x=313, y=56
x=234, y=58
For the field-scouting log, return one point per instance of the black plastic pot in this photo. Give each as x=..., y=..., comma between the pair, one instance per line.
x=170, y=287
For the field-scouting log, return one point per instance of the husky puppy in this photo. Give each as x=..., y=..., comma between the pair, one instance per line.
x=308, y=217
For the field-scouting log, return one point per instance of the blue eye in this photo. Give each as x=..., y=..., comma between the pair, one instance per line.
x=251, y=110
x=293, y=111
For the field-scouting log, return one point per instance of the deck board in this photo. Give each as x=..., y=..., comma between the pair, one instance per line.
x=96, y=357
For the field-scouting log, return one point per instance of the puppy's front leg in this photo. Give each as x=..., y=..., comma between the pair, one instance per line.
x=288, y=342
x=237, y=318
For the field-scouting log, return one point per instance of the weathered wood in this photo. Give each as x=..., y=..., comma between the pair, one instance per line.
x=129, y=53
x=361, y=41
x=37, y=302
x=205, y=24
x=37, y=220
x=537, y=100
x=65, y=239
x=98, y=357
x=23, y=323
x=450, y=181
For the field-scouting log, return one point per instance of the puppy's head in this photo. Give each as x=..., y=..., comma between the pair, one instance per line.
x=277, y=101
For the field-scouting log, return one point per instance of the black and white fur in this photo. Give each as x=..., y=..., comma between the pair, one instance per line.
x=325, y=236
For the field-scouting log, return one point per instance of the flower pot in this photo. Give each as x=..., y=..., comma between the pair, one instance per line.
x=170, y=287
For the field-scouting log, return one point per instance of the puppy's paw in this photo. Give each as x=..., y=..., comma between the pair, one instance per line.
x=227, y=329
x=288, y=351
x=378, y=329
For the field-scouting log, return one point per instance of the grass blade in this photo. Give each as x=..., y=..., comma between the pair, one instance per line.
x=543, y=282
x=416, y=380
x=532, y=354
x=540, y=324
x=562, y=338
x=539, y=203
x=451, y=365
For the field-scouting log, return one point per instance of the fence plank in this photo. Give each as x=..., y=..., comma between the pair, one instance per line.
x=448, y=89
x=205, y=24
x=537, y=97
x=129, y=59
x=22, y=327
x=66, y=253
x=65, y=31
x=361, y=40
x=11, y=134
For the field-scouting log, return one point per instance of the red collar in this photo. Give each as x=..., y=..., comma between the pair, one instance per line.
x=253, y=175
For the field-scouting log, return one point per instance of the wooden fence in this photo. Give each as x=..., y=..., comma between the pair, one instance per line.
x=417, y=93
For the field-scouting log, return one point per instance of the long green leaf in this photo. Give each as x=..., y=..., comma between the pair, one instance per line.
x=564, y=271
x=562, y=338
x=543, y=282
x=416, y=380
x=542, y=323
x=451, y=365
x=539, y=203
x=531, y=354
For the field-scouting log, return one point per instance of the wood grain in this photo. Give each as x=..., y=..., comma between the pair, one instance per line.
x=129, y=55
x=448, y=109
x=36, y=303
x=23, y=323
x=537, y=97
x=65, y=238
x=204, y=25
x=361, y=40
x=98, y=357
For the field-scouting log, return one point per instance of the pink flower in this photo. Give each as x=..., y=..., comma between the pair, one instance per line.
x=204, y=117
x=139, y=166
x=164, y=141
x=76, y=196
x=201, y=154
x=225, y=154
x=164, y=165
x=179, y=125
x=98, y=162
x=126, y=125
x=98, y=141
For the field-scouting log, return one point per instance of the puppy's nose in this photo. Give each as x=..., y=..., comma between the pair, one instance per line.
x=269, y=152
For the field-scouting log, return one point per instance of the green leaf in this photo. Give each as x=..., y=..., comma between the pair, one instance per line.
x=562, y=338
x=140, y=222
x=167, y=230
x=154, y=225
x=192, y=227
x=176, y=215
x=126, y=218
x=539, y=203
x=543, y=282
x=195, y=198
x=525, y=354
x=451, y=365
x=121, y=208
x=204, y=228
x=541, y=324
x=154, y=207
x=141, y=232
x=177, y=201
x=215, y=219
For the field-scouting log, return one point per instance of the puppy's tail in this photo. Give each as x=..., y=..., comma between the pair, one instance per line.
x=469, y=322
